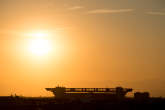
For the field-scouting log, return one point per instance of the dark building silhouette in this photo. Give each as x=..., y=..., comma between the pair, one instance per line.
x=62, y=92
x=111, y=99
x=141, y=95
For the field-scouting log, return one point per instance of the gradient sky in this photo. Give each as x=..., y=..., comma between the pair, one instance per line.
x=96, y=43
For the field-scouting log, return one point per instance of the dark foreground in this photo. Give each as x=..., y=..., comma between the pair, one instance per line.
x=22, y=103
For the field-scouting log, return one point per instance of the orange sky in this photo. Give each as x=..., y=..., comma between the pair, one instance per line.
x=94, y=43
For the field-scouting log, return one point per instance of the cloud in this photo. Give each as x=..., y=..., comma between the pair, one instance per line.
x=109, y=11
x=75, y=7
x=156, y=13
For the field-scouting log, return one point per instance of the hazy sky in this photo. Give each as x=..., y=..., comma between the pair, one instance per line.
x=95, y=43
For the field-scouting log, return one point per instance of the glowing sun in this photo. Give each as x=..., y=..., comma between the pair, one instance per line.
x=40, y=45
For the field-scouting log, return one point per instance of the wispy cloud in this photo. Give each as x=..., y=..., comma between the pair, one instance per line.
x=109, y=11
x=75, y=7
x=156, y=13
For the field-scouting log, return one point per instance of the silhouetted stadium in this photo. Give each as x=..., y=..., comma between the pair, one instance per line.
x=90, y=93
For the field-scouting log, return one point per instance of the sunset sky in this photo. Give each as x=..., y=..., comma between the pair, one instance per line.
x=81, y=43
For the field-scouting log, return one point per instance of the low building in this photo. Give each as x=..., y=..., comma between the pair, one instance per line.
x=95, y=93
x=141, y=95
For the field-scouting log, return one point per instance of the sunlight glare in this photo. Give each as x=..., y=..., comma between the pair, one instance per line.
x=40, y=47
x=39, y=44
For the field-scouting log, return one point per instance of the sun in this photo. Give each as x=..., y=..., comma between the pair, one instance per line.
x=40, y=44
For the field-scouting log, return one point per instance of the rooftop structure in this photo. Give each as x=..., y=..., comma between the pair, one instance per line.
x=61, y=92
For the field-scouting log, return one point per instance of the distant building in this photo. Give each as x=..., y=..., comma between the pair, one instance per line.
x=93, y=93
x=141, y=95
